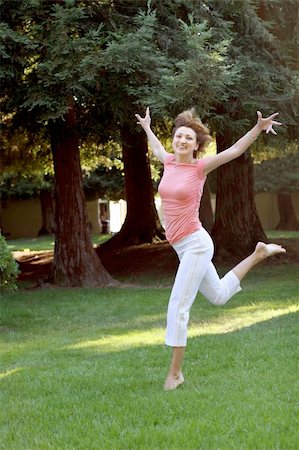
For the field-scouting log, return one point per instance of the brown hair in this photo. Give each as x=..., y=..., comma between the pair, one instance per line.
x=188, y=119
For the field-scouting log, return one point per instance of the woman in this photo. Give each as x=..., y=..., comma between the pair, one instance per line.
x=181, y=188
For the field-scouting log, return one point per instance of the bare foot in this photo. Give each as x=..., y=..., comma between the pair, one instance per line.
x=172, y=382
x=265, y=250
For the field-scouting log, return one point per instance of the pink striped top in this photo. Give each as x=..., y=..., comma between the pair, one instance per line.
x=181, y=189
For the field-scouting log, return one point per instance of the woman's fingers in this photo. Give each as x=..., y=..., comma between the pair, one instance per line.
x=273, y=115
x=268, y=122
x=138, y=119
x=147, y=115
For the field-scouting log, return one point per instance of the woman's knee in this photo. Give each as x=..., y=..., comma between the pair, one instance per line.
x=220, y=299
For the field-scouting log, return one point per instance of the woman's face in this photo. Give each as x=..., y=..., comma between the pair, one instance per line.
x=184, y=141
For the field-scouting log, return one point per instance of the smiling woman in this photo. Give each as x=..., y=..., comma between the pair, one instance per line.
x=190, y=140
x=181, y=190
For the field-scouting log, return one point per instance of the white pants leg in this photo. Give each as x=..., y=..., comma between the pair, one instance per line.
x=195, y=273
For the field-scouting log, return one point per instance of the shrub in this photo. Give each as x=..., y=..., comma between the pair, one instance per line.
x=8, y=267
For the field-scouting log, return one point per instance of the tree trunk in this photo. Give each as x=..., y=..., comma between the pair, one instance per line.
x=75, y=260
x=142, y=224
x=237, y=226
x=288, y=219
x=205, y=210
x=48, y=213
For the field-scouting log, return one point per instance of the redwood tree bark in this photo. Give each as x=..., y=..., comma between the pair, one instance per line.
x=237, y=227
x=142, y=224
x=288, y=219
x=48, y=213
x=75, y=260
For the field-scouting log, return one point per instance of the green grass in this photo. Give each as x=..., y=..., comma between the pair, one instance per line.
x=45, y=243
x=273, y=234
x=84, y=369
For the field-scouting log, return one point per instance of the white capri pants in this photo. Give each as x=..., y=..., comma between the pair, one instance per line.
x=196, y=273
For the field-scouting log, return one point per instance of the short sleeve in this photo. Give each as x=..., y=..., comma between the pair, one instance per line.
x=169, y=158
x=200, y=168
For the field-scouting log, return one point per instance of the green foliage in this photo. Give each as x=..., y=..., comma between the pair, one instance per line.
x=55, y=45
x=279, y=174
x=282, y=19
x=104, y=182
x=170, y=58
x=111, y=59
x=25, y=152
x=8, y=268
x=19, y=186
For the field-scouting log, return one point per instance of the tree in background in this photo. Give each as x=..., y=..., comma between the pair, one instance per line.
x=280, y=175
x=156, y=62
x=82, y=77
x=264, y=83
x=78, y=79
x=133, y=58
x=27, y=171
x=43, y=61
x=235, y=67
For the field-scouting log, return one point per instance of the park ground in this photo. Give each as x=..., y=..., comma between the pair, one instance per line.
x=138, y=263
x=84, y=368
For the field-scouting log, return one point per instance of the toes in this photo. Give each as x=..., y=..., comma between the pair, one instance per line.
x=273, y=249
x=266, y=250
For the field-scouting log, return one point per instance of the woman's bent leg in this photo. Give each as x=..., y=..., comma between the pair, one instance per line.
x=219, y=291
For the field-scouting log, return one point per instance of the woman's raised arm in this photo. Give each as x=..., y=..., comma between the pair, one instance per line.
x=236, y=150
x=156, y=146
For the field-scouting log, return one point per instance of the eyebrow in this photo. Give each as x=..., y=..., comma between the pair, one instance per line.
x=180, y=132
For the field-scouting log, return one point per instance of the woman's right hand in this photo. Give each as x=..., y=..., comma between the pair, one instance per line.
x=145, y=122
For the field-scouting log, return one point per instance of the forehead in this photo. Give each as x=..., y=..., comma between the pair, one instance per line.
x=186, y=131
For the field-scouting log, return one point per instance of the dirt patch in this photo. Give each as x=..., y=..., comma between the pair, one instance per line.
x=154, y=260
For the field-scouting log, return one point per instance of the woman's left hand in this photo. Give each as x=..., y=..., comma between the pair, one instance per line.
x=266, y=124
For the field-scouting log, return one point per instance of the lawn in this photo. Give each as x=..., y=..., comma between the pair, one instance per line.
x=84, y=369
x=45, y=243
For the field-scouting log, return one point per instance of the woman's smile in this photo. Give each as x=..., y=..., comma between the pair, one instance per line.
x=184, y=144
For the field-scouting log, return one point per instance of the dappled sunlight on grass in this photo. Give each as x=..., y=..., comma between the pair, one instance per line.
x=8, y=373
x=245, y=317
x=122, y=341
x=87, y=367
